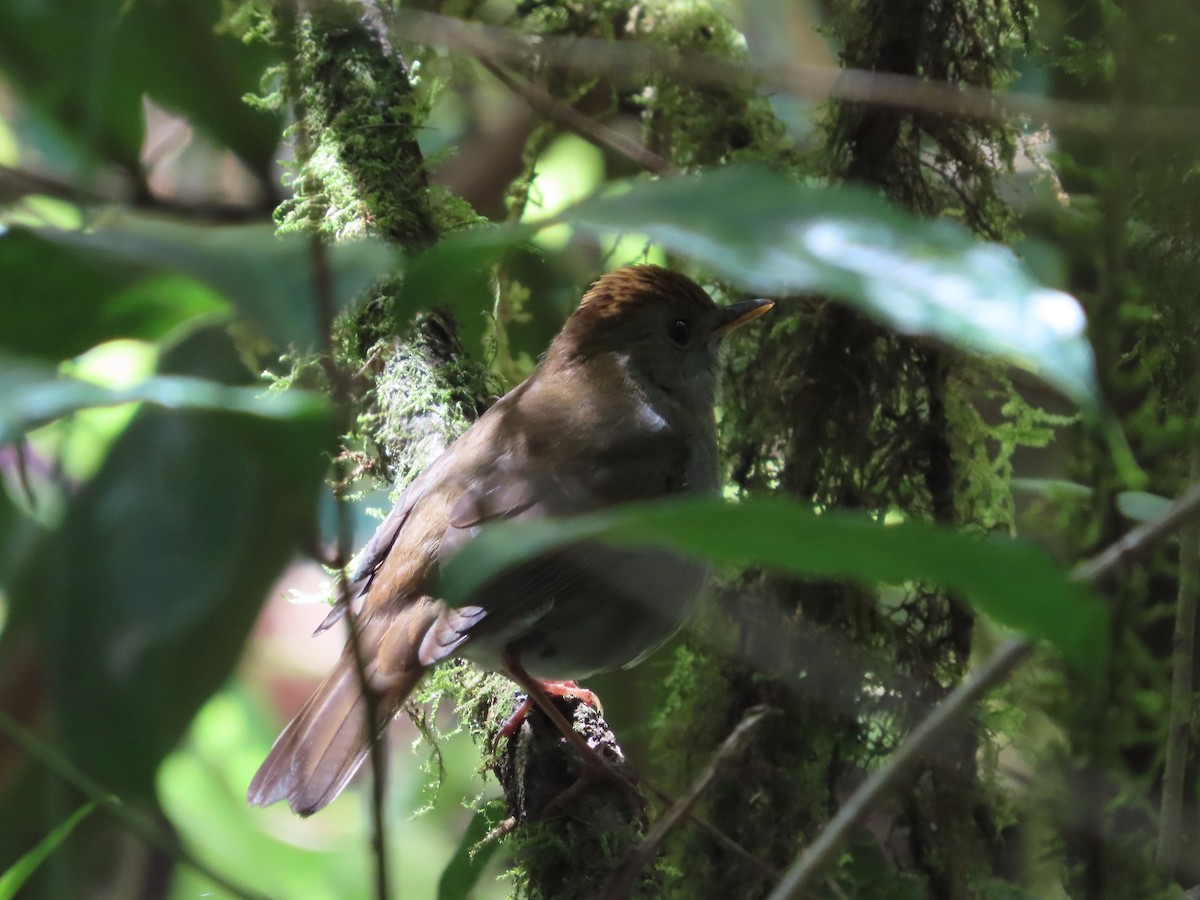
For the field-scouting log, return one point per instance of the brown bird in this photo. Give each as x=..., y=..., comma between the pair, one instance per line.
x=620, y=409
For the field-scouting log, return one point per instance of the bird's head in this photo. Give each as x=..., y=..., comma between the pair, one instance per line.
x=661, y=327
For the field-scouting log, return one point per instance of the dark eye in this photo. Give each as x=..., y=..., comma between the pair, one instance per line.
x=680, y=332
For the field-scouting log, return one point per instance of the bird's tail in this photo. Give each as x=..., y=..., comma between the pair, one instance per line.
x=325, y=744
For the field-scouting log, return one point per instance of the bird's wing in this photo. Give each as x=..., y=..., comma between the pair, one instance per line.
x=642, y=469
x=369, y=560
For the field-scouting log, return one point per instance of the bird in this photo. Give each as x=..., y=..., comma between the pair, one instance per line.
x=620, y=409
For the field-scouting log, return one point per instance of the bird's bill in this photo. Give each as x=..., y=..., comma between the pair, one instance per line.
x=738, y=314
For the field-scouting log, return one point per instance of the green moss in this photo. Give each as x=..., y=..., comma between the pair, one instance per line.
x=361, y=171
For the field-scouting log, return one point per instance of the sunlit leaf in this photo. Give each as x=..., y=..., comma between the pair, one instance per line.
x=770, y=233
x=98, y=275
x=19, y=872
x=34, y=396
x=1014, y=582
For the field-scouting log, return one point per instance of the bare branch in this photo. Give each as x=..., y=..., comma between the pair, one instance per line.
x=573, y=120
x=622, y=878
x=628, y=62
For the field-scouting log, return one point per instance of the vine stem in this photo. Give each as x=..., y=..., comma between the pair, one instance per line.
x=1182, y=665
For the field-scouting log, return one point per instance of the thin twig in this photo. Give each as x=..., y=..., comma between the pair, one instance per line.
x=808, y=868
x=573, y=120
x=16, y=184
x=377, y=734
x=134, y=822
x=1178, y=728
x=323, y=300
x=621, y=881
x=628, y=62
x=725, y=841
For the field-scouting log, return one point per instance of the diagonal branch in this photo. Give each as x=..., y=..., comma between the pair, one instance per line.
x=628, y=62
x=622, y=878
x=573, y=120
x=805, y=872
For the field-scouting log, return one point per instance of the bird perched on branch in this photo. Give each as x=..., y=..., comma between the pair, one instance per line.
x=620, y=409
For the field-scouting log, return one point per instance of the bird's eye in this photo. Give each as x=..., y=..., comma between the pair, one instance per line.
x=680, y=332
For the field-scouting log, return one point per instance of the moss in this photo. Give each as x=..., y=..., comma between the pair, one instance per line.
x=706, y=124
x=362, y=172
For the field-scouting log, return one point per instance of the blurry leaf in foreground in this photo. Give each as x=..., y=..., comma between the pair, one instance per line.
x=86, y=65
x=35, y=395
x=268, y=277
x=1014, y=582
x=62, y=301
x=19, y=872
x=456, y=273
x=144, y=595
x=769, y=233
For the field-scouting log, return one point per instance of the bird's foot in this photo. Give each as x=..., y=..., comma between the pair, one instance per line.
x=594, y=765
x=554, y=689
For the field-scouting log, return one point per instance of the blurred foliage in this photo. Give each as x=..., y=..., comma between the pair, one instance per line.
x=186, y=386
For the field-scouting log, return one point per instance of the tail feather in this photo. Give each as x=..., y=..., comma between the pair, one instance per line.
x=325, y=744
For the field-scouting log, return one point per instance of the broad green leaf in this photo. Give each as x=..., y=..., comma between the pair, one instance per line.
x=456, y=273
x=61, y=301
x=20, y=871
x=124, y=280
x=1014, y=582
x=769, y=233
x=267, y=276
x=144, y=595
x=85, y=65
x=34, y=396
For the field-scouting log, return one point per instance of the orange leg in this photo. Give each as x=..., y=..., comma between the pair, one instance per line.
x=552, y=689
x=594, y=766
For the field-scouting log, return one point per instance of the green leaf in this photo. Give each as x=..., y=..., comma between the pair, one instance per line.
x=770, y=233
x=456, y=273
x=1014, y=582
x=19, y=872
x=85, y=65
x=101, y=298
x=112, y=281
x=1057, y=489
x=469, y=861
x=35, y=396
x=267, y=276
x=1142, y=506
x=145, y=594
x=1138, y=506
